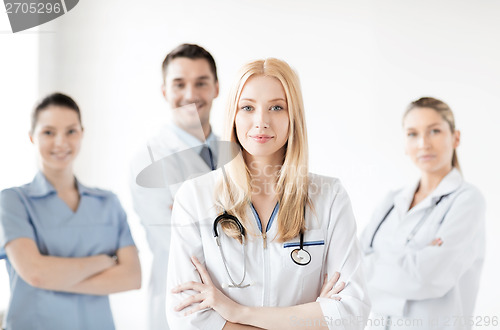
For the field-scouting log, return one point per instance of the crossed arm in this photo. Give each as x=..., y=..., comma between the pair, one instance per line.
x=244, y=317
x=216, y=311
x=97, y=275
x=459, y=244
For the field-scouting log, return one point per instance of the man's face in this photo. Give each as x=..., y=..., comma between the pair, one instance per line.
x=188, y=82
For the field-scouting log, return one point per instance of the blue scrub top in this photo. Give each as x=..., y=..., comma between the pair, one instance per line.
x=99, y=226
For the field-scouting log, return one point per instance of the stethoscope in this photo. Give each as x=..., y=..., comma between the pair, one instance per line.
x=417, y=226
x=226, y=217
x=299, y=256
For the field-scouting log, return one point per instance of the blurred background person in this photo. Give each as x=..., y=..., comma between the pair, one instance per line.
x=190, y=84
x=425, y=246
x=68, y=246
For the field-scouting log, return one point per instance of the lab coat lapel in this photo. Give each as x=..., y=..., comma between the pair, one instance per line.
x=166, y=143
x=402, y=201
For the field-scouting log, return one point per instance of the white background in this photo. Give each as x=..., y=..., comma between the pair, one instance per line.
x=360, y=64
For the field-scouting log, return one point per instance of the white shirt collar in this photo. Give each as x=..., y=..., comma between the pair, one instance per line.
x=190, y=140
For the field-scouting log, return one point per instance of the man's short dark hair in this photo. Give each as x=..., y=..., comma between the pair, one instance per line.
x=190, y=51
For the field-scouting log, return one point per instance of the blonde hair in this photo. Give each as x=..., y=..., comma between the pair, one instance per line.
x=233, y=193
x=442, y=109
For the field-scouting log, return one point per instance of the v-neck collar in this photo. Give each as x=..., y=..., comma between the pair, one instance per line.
x=271, y=218
x=40, y=187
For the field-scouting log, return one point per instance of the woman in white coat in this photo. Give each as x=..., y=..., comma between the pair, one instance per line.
x=424, y=247
x=298, y=264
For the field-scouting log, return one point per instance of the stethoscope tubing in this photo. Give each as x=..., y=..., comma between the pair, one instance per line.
x=417, y=226
x=299, y=256
x=231, y=218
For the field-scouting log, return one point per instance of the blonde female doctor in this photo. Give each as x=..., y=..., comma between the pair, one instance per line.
x=288, y=255
x=425, y=245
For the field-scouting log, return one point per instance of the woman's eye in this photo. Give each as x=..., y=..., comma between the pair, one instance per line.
x=436, y=131
x=72, y=131
x=246, y=108
x=276, y=108
x=47, y=133
x=201, y=84
x=412, y=134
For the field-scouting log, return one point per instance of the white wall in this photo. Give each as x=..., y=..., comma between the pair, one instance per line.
x=360, y=63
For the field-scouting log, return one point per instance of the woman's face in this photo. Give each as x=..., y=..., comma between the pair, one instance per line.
x=57, y=136
x=429, y=140
x=262, y=120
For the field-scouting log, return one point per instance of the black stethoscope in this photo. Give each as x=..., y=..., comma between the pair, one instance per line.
x=299, y=256
x=226, y=217
x=417, y=226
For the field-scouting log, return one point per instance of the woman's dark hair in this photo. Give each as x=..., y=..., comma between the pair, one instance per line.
x=192, y=52
x=57, y=99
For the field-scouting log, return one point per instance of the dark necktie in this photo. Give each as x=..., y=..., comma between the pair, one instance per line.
x=206, y=155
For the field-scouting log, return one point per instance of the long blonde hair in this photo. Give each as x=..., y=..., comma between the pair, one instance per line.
x=444, y=111
x=234, y=194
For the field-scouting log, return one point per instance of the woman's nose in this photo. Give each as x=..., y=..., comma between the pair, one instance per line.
x=423, y=141
x=261, y=118
x=60, y=140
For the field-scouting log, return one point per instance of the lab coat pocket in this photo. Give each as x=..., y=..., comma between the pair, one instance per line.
x=307, y=260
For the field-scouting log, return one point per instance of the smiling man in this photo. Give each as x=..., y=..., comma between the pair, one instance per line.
x=190, y=85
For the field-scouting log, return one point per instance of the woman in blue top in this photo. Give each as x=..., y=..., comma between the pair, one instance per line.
x=68, y=246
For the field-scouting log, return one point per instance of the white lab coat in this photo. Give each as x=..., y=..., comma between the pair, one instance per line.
x=153, y=206
x=433, y=286
x=275, y=279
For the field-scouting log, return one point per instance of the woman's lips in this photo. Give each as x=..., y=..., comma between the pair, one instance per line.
x=261, y=138
x=426, y=157
x=61, y=155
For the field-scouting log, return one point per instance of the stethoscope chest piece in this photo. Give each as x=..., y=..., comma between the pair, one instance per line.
x=301, y=257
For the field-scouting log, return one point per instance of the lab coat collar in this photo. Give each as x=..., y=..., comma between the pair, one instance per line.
x=41, y=187
x=451, y=182
x=166, y=141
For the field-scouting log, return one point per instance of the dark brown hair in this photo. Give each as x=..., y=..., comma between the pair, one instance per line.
x=190, y=51
x=57, y=99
